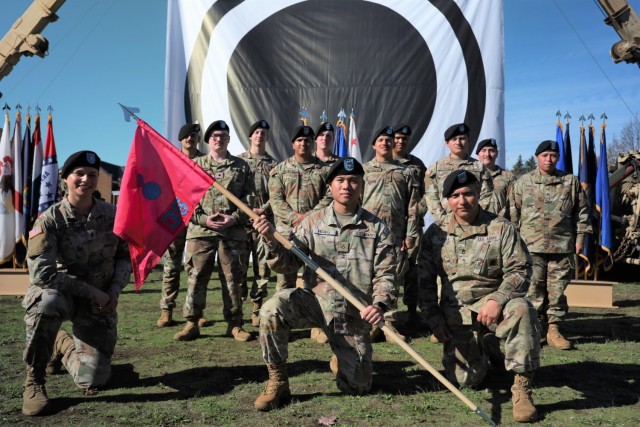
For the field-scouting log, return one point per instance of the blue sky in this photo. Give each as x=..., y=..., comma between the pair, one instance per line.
x=104, y=52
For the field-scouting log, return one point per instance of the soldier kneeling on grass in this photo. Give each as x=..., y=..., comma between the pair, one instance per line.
x=356, y=248
x=485, y=271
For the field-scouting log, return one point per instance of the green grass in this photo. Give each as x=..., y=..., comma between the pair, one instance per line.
x=214, y=380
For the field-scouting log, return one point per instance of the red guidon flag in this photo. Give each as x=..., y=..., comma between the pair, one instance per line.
x=160, y=190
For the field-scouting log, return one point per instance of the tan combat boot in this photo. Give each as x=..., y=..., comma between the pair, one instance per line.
x=333, y=364
x=239, y=334
x=34, y=399
x=166, y=318
x=389, y=324
x=255, y=314
x=555, y=338
x=319, y=335
x=202, y=322
x=523, y=409
x=61, y=348
x=276, y=392
x=190, y=332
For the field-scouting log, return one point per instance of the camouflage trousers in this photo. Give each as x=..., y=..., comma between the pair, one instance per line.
x=410, y=278
x=298, y=308
x=402, y=268
x=550, y=277
x=465, y=358
x=95, y=335
x=200, y=262
x=261, y=272
x=171, y=272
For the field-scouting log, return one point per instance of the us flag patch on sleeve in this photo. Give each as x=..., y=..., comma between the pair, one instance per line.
x=35, y=231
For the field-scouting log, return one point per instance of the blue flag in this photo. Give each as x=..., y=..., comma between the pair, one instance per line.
x=568, y=158
x=340, y=147
x=603, y=203
x=561, y=160
x=588, y=251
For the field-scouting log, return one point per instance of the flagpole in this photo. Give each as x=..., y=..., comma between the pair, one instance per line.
x=355, y=301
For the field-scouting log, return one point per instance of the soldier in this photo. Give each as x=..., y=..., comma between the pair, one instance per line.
x=549, y=208
x=391, y=193
x=456, y=138
x=296, y=187
x=352, y=245
x=261, y=164
x=189, y=136
x=77, y=269
x=217, y=227
x=324, y=143
x=402, y=137
x=485, y=269
x=487, y=152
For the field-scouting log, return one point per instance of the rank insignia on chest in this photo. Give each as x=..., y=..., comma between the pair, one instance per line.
x=218, y=175
x=91, y=234
x=343, y=247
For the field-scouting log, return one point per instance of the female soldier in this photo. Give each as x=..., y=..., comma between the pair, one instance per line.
x=77, y=269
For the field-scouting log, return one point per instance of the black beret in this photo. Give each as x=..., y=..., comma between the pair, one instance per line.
x=457, y=179
x=548, y=145
x=217, y=125
x=387, y=131
x=304, y=131
x=260, y=124
x=187, y=130
x=326, y=126
x=455, y=130
x=403, y=129
x=345, y=166
x=79, y=160
x=490, y=142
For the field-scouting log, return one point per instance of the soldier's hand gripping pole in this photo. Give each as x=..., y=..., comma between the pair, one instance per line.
x=357, y=303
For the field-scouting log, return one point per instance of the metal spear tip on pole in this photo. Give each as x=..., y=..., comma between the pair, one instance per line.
x=582, y=119
x=558, y=114
x=604, y=117
x=6, y=107
x=342, y=115
x=567, y=117
x=129, y=112
x=323, y=116
x=591, y=118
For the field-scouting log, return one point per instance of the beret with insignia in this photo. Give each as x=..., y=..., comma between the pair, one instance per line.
x=345, y=166
x=386, y=131
x=79, y=160
x=490, y=142
x=455, y=130
x=402, y=129
x=217, y=125
x=326, y=126
x=260, y=124
x=187, y=130
x=547, y=145
x=304, y=131
x=457, y=179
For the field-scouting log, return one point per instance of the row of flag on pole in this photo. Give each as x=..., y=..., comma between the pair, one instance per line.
x=593, y=174
x=345, y=144
x=28, y=178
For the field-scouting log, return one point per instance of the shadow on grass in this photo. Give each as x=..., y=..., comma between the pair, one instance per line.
x=601, y=328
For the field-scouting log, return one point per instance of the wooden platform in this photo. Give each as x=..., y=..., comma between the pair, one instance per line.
x=13, y=282
x=589, y=293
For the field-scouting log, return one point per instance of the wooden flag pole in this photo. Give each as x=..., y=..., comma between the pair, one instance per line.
x=357, y=303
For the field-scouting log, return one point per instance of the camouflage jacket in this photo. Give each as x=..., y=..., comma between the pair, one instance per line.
x=419, y=170
x=261, y=166
x=502, y=183
x=434, y=180
x=331, y=160
x=487, y=261
x=71, y=252
x=549, y=211
x=391, y=193
x=360, y=255
x=234, y=174
x=296, y=187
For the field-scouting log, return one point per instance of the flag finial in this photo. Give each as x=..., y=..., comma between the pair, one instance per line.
x=6, y=107
x=567, y=117
x=591, y=118
x=129, y=112
x=558, y=114
x=582, y=119
x=323, y=116
x=604, y=117
x=342, y=115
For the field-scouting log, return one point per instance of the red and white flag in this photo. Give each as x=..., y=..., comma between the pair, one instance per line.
x=49, y=193
x=160, y=189
x=354, y=143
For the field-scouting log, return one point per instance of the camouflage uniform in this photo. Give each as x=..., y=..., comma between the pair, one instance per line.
x=261, y=166
x=330, y=160
x=296, y=187
x=551, y=214
x=436, y=204
x=362, y=255
x=391, y=192
x=503, y=181
x=173, y=266
x=486, y=261
x=230, y=244
x=68, y=254
x=410, y=278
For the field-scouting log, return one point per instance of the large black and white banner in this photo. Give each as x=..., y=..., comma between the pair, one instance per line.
x=427, y=63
